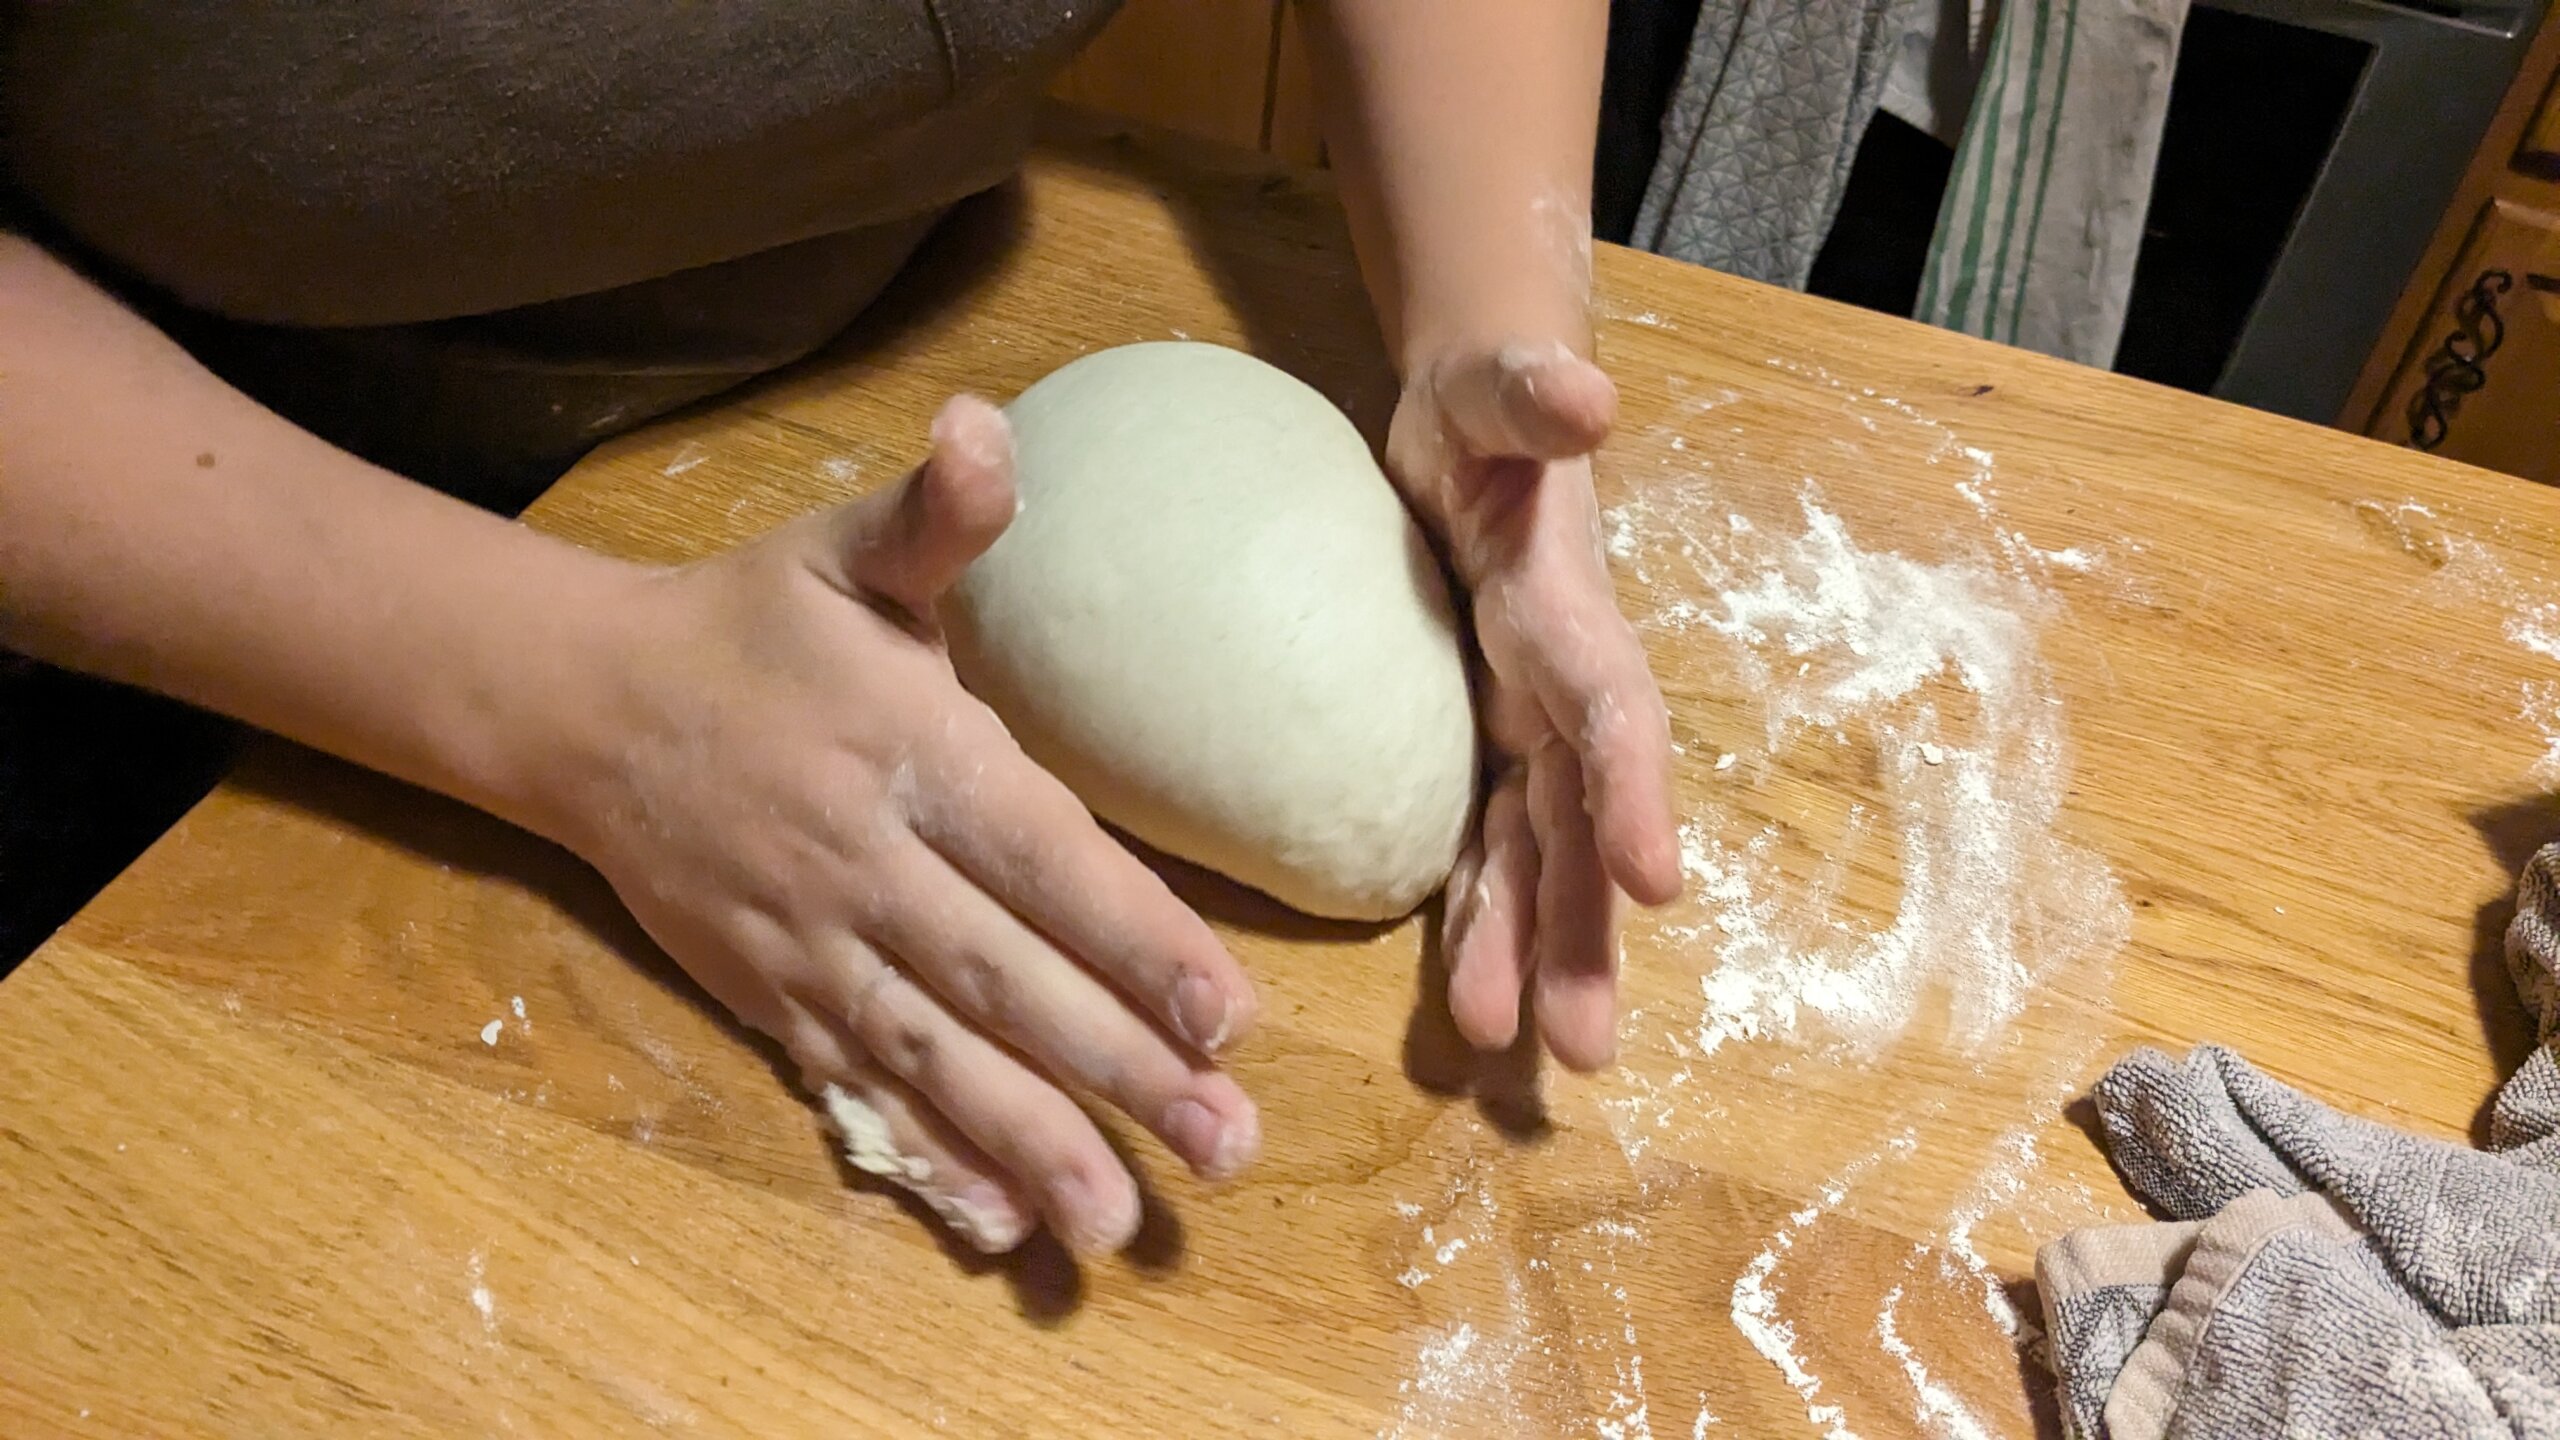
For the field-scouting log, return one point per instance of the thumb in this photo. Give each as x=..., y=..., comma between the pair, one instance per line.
x=1529, y=401
x=910, y=544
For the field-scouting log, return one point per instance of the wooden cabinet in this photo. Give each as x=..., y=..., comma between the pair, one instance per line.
x=1233, y=71
x=2538, y=155
x=2482, y=382
x=2469, y=366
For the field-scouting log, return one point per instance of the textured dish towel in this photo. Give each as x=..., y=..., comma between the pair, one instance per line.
x=1761, y=131
x=2323, y=1275
x=2043, y=215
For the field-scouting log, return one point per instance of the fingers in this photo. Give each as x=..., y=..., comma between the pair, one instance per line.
x=1590, y=676
x=1621, y=736
x=1576, y=951
x=1536, y=402
x=910, y=545
x=889, y=1132
x=1025, y=1126
x=1010, y=982
x=1023, y=838
x=1492, y=910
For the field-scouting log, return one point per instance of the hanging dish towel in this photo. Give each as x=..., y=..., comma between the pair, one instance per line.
x=1760, y=133
x=2042, y=221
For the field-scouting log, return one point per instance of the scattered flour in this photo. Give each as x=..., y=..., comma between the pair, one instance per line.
x=1470, y=1370
x=481, y=1299
x=489, y=1032
x=1934, y=669
x=1462, y=1382
x=1940, y=1411
x=1755, y=1293
x=1629, y=1416
x=1830, y=637
x=688, y=455
x=2467, y=569
x=1612, y=309
x=1993, y=1192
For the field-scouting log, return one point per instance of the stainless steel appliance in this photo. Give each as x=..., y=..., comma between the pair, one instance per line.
x=2312, y=148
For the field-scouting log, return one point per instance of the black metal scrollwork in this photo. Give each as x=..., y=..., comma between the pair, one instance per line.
x=2455, y=369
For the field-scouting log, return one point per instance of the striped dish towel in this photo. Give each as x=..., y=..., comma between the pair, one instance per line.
x=2042, y=220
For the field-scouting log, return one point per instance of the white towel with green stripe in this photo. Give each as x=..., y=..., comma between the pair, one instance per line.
x=2042, y=221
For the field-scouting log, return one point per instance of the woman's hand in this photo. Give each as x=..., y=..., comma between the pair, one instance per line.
x=766, y=753
x=797, y=799
x=1492, y=443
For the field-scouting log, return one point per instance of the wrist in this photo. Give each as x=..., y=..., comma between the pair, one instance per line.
x=1489, y=319
x=530, y=736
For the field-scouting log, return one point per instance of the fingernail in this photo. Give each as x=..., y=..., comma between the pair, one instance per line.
x=1196, y=1132
x=1096, y=1220
x=1239, y=1145
x=1201, y=1012
x=982, y=1215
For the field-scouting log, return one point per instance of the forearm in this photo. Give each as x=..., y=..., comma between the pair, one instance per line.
x=1463, y=134
x=158, y=527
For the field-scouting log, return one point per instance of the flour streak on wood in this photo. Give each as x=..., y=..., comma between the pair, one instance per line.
x=2469, y=572
x=1930, y=672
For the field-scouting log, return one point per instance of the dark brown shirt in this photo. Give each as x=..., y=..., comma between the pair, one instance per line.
x=470, y=234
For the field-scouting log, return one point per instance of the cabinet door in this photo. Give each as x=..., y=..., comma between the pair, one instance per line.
x=2538, y=153
x=2482, y=381
x=1202, y=67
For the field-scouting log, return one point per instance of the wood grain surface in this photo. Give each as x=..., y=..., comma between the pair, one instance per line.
x=261, y=1174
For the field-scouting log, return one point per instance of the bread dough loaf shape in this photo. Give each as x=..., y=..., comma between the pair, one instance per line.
x=1215, y=622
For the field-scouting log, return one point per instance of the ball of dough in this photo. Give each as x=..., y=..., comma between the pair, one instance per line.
x=1215, y=622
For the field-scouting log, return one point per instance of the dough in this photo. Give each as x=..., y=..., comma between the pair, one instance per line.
x=1214, y=621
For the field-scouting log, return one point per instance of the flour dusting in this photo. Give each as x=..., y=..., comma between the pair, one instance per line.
x=1461, y=1382
x=1940, y=1410
x=1992, y=1192
x=1829, y=637
x=1756, y=1312
x=1469, y=1369
x=1950, y=887
x=2467, y=569
x=1623, y=1250
x=481, y=1300
x=1918, y=670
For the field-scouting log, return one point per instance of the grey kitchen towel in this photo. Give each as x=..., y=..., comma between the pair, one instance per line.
x=2321, y=1274
x=1761, y=130
x=2102, y=1286
x=2043, y=215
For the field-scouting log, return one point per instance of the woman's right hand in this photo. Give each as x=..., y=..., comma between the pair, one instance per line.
x=766, y=753
x=787, y=785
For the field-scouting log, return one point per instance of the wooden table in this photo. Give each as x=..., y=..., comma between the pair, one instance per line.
x=349, y=1112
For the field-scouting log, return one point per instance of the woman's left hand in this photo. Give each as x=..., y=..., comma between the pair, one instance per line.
x=1492, y=444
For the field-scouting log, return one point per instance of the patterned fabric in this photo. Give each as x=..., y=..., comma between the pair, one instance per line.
x=2326, y=1274
x=2043, y=216
x=1757, y=144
